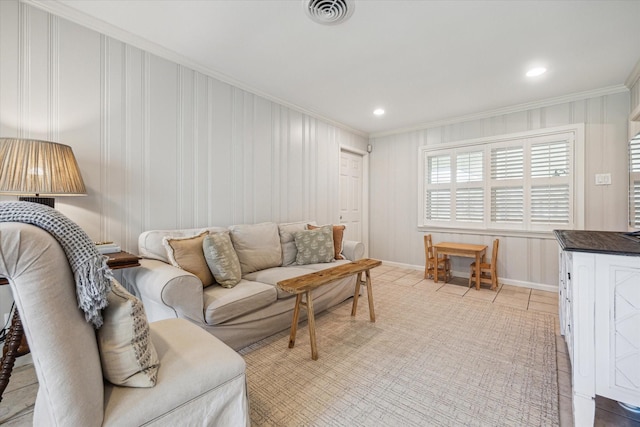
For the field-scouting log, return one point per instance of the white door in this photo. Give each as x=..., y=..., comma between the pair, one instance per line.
x=351, y=175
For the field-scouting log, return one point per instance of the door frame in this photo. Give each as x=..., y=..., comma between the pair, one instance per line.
x=365, y=192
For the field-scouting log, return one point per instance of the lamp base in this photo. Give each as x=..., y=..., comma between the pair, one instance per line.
x=49, y=201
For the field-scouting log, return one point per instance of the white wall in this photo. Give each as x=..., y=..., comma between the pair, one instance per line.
x=394, y=235
x=160, y=145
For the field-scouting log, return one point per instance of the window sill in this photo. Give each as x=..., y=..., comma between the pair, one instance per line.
x=546, y=235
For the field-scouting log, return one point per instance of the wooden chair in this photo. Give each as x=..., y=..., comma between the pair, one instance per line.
x=442, y=266
x=488, y=272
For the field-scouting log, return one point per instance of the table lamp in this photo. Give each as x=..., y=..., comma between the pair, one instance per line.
x=32, y=168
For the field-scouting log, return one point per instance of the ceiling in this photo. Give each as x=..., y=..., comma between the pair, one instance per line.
x=422, y=61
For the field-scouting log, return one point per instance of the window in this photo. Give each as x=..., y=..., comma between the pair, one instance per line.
x=634, y=182
x=513, y=182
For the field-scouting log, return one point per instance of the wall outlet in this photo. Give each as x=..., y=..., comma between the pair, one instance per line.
x=603, y=179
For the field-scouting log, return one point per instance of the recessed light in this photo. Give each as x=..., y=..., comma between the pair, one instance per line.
x=378, y=111
x=534, y=72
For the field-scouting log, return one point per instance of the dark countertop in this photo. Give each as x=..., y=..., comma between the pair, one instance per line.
x=604, y=242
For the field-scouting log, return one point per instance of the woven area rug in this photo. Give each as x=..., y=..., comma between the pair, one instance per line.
x=431, y=359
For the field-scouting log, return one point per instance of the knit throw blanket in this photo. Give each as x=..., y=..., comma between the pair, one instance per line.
x=92, y=275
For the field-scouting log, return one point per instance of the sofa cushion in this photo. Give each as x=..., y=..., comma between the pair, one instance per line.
x=127, y=355
x=150, y=242
x=257, y=246
x=338, y=237
x=314, y=245
x=222, y=304
x=187, y=253
x=287, y=242
x=222, y=259
x=272, y=276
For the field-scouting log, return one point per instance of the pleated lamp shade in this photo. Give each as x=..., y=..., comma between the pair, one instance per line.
x=30, y=167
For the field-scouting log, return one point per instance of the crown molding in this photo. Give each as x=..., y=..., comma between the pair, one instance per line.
x=64, y=11
x=634, y=76
x=610, y=90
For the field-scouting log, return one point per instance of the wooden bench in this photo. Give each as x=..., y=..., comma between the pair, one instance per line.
x=306, y=283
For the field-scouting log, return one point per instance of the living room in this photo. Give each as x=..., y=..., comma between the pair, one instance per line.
x=166, y=143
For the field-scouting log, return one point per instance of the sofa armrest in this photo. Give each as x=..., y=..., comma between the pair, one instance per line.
x=352, y=250
x=160, y=284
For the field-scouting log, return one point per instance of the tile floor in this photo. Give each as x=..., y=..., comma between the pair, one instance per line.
x=16, y=408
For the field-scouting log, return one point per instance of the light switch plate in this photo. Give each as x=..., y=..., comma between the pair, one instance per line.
x=603, y=179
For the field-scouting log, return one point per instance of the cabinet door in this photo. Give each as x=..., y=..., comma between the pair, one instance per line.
x=617, y=317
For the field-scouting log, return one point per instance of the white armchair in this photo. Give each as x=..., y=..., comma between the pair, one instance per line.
x=200, y=381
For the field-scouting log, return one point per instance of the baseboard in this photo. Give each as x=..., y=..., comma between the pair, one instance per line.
x=465, y=274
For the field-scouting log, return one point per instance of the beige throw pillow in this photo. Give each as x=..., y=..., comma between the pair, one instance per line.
x=257, y=246
x=222, y=259
x=127, y=354
x=186, y=253
x=338, y=237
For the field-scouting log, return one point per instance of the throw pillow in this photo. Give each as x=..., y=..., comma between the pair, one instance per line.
x=127, y=354
x=289, y=250
x=186, y=253
x=257, y=246
x=314, y=246
x=338, y=237
x=222, y=259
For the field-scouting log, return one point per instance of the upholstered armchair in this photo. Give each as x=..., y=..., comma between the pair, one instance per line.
x=200, y=381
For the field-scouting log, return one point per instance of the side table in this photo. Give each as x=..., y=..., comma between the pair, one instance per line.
x=16, y=342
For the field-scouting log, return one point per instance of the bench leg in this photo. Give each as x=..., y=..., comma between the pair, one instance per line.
x=294, y=321
x=372, y=313
x=312, y=326
x=367, y=283
x=354, y=306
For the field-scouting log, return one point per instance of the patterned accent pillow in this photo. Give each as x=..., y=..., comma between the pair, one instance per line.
x=186, y=253
x=127, y=354
x=222, y=259
x=314, y=246
x=338, y=237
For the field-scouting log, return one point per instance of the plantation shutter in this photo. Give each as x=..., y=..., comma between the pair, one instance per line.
x=469, y=187
x=438, y=205
x=634, y=182
x=507, y=163
x=550, y=192
x=507, y=204
x=470, y=204
x=526, y=181
x=438, y=192
x=439, y=169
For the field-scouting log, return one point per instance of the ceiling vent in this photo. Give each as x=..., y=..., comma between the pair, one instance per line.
x=329, y=12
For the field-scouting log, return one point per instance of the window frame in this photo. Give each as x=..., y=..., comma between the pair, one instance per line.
x=575, y=179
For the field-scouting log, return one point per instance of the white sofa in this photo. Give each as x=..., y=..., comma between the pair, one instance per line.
x=253, y=309
x=200, y=381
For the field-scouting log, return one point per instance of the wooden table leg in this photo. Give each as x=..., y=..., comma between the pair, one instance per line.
x=312, y=326
x=294, y=321
x=372, y=313
x=354, y=306
x=15, y=346
x=478, y=271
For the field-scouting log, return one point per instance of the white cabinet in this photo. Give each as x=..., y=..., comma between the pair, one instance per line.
x=600, y=320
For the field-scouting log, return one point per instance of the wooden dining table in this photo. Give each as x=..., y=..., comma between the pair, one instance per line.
x=461, y=249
